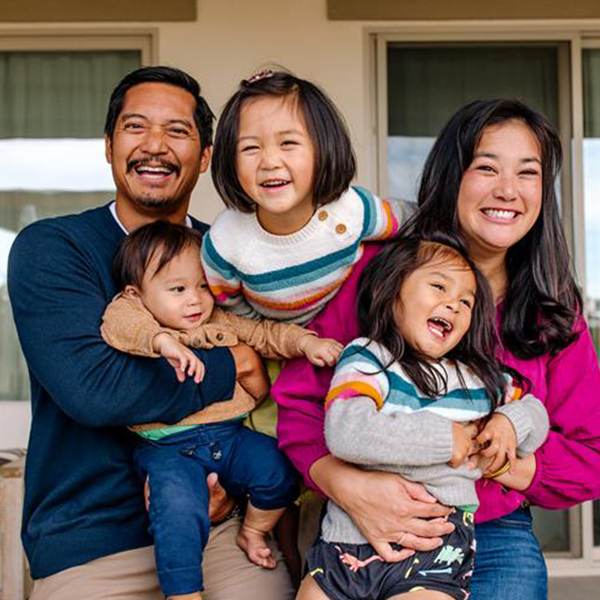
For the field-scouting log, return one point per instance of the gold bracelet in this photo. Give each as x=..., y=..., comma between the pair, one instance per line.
x=503, y=469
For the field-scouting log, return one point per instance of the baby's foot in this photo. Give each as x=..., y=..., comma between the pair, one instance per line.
x=253, y=543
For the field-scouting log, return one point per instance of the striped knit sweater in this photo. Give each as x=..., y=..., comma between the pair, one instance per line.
x=376, y=417
x=291, y=277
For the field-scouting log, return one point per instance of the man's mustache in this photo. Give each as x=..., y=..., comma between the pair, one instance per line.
x=155, y=162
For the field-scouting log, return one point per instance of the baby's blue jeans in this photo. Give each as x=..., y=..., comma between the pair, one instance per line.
x=247, y=462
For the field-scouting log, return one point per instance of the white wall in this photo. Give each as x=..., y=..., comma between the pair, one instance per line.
x=15, y=418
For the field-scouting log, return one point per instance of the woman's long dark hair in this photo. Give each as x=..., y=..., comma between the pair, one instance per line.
x=379, y=288
x=542, y=301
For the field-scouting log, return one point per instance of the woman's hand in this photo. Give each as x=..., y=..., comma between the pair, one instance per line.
x=385, y=507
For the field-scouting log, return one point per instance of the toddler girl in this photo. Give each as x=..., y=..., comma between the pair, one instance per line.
x=406, y=398
x=283, y=163
x=165, y=305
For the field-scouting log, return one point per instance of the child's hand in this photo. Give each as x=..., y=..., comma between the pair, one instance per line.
x=180, y=357
x=462, y=443
x=498, y=441
x=320, y=351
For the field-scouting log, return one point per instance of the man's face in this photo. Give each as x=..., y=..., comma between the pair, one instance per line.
x=155, y=149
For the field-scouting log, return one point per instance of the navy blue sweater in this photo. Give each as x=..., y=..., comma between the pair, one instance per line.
x=83, y=499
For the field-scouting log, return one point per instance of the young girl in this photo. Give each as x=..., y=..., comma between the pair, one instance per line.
x=165, y=305
x=406, y=398
x=283, y=163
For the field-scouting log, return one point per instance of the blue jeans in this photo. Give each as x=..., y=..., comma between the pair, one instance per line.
x=247, y=462
x=508, y=561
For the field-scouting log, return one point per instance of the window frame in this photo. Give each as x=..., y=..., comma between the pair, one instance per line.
x=17, y=411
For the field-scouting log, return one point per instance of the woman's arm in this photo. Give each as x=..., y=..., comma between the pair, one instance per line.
x=521, y=476
x=568, y=464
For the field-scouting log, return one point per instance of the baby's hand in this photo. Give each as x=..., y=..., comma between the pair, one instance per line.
x=180, y=357
x=499, y=443
x=462, y=443
x=320, y=351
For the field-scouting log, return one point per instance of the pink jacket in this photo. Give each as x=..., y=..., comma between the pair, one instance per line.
x=568, y=464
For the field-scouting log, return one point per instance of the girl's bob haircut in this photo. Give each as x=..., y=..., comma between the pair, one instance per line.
x=378, y=295
x=335, y=163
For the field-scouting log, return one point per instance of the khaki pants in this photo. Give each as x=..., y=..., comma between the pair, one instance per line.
x=228, y=575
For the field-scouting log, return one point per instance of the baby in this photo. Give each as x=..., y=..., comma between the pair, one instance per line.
x=164, y=307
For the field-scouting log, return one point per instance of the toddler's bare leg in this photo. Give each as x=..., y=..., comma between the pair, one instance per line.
x=251, y=538
x=310, y=590
x=422, y=595
x=194, y=596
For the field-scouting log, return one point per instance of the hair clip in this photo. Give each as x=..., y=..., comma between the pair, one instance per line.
x=262, y=75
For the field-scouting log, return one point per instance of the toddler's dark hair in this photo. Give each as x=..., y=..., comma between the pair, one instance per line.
x=168, y=240
x=379, y=288
x=335, y=163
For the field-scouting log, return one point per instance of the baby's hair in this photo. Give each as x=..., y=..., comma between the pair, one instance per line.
x=335, y=163
x=167, y=240
x=379, y=289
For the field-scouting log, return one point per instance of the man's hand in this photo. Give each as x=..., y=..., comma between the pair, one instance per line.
x=250, y=372
x=180, y=357
x=220, y=504
x=385, y=507
x=320, y=351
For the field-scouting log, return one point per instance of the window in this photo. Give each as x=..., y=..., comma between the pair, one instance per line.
x=421, y=79
x=52, y=111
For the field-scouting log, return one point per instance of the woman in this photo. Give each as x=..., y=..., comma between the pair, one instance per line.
x=490, y=177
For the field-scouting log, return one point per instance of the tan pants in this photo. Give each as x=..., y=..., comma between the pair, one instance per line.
x=228, y=575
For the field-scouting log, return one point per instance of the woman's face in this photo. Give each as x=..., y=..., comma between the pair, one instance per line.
x=500, y=195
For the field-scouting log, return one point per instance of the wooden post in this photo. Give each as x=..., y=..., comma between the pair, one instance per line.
x=12, y=584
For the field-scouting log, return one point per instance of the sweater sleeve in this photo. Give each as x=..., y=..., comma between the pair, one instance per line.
x=58, y=299
x=301, y=387
x=129, y=327
x=568, y=463
x=381, y=218
x=358, y=432
x=222, y=275
x=270, y=339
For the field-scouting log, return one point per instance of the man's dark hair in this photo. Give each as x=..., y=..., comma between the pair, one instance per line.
x=203, y=116
x=160, y=238
x=335, y=163
x=542, y=301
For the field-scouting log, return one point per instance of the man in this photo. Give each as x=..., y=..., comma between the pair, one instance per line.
x=84, y=524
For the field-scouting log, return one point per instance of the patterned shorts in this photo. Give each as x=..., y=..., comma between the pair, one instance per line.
x=355, y=571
